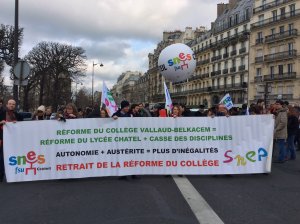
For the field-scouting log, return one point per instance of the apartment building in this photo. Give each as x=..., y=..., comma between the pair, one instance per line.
x=222, y=57
x=125, y=89
x=274, y=67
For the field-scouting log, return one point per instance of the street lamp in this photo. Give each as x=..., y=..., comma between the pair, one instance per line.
x=94, y=64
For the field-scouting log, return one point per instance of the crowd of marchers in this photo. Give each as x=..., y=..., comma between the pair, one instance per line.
x=286, y=130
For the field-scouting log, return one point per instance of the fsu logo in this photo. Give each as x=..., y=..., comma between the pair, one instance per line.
x=30, y=158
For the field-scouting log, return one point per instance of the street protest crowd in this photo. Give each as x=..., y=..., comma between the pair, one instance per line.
x=286, y=130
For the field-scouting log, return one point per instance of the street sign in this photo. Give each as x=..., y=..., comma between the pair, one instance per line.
x=22, y=83
x=22, y=70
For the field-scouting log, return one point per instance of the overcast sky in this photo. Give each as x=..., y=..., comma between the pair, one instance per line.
x=117, y=33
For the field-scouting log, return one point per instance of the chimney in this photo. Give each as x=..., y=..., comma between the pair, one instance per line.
x=221, y=8
x=232, y=3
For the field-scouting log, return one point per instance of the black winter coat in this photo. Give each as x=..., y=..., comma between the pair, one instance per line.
x=293, y=125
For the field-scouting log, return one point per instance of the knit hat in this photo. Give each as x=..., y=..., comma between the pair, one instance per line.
x=124, y=104
x=41, y=108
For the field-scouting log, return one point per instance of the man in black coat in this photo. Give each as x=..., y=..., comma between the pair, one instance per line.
x=6, y=115
x=124, y=111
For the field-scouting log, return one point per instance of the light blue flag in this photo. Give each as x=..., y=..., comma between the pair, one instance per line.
x=227, y=101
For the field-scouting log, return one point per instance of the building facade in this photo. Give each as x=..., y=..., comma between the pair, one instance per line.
x=222, y=56
x=141, y=89
x=274, y=71
x=125, y=89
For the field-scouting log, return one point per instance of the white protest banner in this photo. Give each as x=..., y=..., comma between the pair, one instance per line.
x=226, y=100
x=108, y=101
x=169, y=104
x=137, y=146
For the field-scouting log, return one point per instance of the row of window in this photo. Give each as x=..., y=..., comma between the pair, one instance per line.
x=279, y=69
x=226, y=52
x=273, y=31
x=233, y=20
x=222, y=36
x=218, y=67
x=279, y=15
x=225, y=81
x=279, y=89
x=282, y=48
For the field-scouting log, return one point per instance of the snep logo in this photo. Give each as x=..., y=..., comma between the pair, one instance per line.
x=182, y=57
x=28, y=161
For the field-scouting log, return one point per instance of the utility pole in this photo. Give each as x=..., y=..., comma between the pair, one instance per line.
x=16, y=48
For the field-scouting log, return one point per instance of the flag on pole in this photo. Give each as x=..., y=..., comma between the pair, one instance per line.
x=107, y=101
x=169, y=104
x=227, y=101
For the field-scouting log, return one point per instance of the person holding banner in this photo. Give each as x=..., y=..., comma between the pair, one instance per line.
x=144, y=110
x=40, y=113
x=103, y=113
x=7, y=115
x=135, y=110
x=176, y=111
x=71, y=111
x=123, y=112
x=222, y=110
x=98, y=112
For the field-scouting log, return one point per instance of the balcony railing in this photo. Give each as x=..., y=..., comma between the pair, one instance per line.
x=225, y=71
x=259, y=59
x=192, y=91
x=258, y=78
x=196, y=77
x=242, y=67
x=237, y=85
x=221, y=88
x=233, y=69
x=225, y=55
x=270, y=5
x=276, y=19
x=206, y=75
x=242, y=50
x=206, y=61
x=241, y=36
x=232, y=53
x=282, y=96
x=280, y=36
x=257, y=97
x=284, y=76
x=216, y=73
x=215, y=58
x=280, y=55
x=218, y=88
x=259, y=41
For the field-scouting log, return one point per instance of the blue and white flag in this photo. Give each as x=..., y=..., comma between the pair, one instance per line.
x=227, y=101
x=169, y=104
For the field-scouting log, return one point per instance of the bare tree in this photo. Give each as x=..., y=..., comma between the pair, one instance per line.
x=55, y=66
x=7, y=43
x=7, y=52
